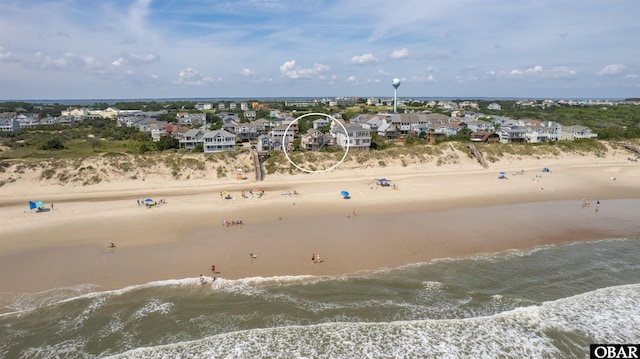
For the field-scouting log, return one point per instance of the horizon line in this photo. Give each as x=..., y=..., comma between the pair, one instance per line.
x=274, y=98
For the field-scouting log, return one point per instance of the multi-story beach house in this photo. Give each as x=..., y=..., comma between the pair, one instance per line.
x=106, y=113
x=576, y=132
x=479, y=125
x=315, y=140
x=245, y=132
x=356, y=137
x=188, y=140
x=445, y=129
x=81, y=112
x=194, y=119
x=512, y=134
x=219, y=141
x=545, y=132
x=9, y=125
x=204, y=106
x=281, y=134
x=321, y=122
x=267, y=143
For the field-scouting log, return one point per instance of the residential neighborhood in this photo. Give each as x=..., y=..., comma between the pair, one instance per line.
x=238, y=124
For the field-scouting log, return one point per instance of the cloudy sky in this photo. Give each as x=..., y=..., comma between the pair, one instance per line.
x=126, y=49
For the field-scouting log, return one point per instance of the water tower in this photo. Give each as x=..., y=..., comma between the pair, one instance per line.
x=395, y=83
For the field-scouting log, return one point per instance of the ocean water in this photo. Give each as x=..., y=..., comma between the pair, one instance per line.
x=546, y=302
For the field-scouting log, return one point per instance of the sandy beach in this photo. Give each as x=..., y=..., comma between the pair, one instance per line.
x=431, y=212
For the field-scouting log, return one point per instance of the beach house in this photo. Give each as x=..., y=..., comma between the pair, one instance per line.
x=356, y=137
x=218, y=141
x=315, y=140
x=189, y=139
x=9, y=125
x=576, y=132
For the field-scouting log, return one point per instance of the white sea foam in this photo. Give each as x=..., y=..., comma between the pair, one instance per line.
x=608, y=314
x=152, y=306
x=23, y=302
x=65, y=349
x=78, y=321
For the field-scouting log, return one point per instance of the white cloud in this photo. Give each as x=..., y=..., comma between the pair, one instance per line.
x=526, y=72
x=247, y=72
x=364, y=59
x=6, y=55
x=428, y=78
x=192, y=77
x=119, y=62
x=561, y=72
x=68, y=61
x=290, y=70
x=143, y=58
x=536, y=72
x=114, y=44
x=351, y=79
x=134, y=59
x=613, y=69
x=400, y=54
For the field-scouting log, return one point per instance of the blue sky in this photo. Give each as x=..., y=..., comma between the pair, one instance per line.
x=84, y=49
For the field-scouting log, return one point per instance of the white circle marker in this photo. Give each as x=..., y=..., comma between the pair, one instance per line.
x=284, y=146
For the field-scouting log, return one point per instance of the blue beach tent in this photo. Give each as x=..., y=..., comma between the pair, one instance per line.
x=36, y=205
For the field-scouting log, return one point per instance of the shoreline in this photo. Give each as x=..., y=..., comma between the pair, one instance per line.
x=432, y=214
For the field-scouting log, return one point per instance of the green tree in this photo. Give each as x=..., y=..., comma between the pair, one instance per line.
x=147, y=146
x=378, y=142
x=167, y=143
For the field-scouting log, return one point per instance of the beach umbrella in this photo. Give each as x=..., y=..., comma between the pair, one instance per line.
x=344, y=194
x=148, y=200
x=502, y=173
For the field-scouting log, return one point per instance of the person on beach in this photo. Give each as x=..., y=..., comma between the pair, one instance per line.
x=213, y=268
x=313, y=258
x=201, y=279
x=111, y=244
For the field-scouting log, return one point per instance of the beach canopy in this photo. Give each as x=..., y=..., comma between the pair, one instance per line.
x=35, y=205
x=383, y=181
x=344, y=194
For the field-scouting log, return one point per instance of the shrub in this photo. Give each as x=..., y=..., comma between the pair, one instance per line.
x=221, y=172
x=47, y=173
x=52, y=144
